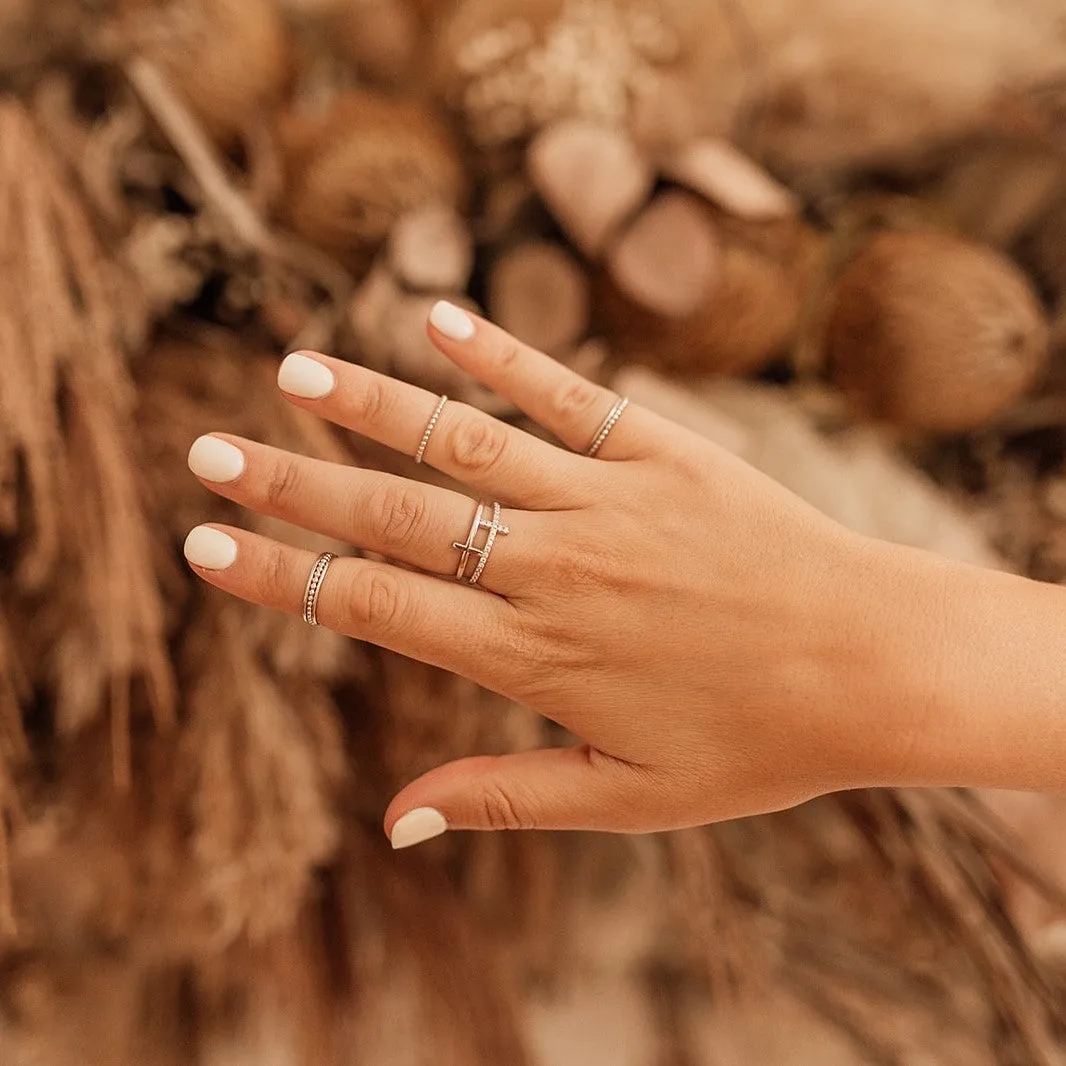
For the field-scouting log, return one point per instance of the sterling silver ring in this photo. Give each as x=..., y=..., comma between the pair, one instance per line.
x=469, y=547
x=608, y=424
x=431, y=426
x=314, y=587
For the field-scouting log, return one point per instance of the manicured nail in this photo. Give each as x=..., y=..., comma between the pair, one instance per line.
x=306, y=378
x=452, y=321
x=417, y=826
x=210, y=548
x=216, y=460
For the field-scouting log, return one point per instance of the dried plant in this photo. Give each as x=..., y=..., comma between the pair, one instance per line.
x=191, y=859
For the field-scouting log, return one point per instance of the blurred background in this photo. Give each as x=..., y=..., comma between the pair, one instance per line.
x=828, y=234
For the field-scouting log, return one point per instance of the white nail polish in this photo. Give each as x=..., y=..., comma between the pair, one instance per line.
x=210, y=548
x=306, y=378
x=418, y=826
x=452, y=321
x=216, y=460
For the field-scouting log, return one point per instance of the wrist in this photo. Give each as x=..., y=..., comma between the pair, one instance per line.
x=959, y=679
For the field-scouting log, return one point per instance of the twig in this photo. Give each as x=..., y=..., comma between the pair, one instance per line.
x=819, y=999
x=992, y=833
x=190, y=142
x=229, y=204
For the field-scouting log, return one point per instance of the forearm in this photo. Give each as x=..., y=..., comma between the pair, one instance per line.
x=967, y=677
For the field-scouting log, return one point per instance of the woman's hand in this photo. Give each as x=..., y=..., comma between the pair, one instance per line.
x=718, y=645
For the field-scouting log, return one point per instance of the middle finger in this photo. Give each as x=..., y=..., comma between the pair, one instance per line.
x=466, y=444
x=406, y=521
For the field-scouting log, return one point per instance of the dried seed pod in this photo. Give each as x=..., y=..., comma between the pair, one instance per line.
x=355, y=170
x=591, y=177
x=934, y=332
x=232, y=60
x=668, y=261
x=380, y=37
x=538, y=292
x=749, y=314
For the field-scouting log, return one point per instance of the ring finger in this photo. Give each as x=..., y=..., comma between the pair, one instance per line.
x=405, y=520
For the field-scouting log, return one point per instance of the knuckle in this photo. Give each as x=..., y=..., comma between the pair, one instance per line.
x=376, y=600
x=478, y=444
x=575, y=399
x=275, y=575
x=372, y=402
x=581, y=567
x=400, y=512
x=508, y=355
x=283, y=485
x=522, y=647
x=500, y=810
x=689, y=467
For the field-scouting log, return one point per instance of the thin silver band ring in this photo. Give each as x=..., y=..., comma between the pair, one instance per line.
x=314, y=587
x=430, y=427
x=608, y=424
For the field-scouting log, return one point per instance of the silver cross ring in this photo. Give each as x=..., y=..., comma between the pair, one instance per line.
x=469, y=547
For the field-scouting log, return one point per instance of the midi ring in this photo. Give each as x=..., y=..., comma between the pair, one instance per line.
x=314, y=587
x=432, y=425
x=609, y=423
x=469, y=546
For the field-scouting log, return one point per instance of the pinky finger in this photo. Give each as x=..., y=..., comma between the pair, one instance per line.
x=414, y=614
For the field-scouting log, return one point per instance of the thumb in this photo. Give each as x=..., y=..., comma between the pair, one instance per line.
x=553, y=788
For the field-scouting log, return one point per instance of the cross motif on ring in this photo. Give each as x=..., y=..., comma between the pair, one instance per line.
x=495, y=528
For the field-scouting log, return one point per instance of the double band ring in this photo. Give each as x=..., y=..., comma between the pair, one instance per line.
x=469, y=547
x=314, y=587
x=607, y=426
x=430, y=427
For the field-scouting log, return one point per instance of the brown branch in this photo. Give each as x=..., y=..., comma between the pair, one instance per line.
x=227, y=203
x=191, y=143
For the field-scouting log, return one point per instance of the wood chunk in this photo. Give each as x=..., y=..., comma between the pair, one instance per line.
x=669, y=259
x=732, y=180
x=369, y=308
x=665, y=118
x=414, y=357
x=538, y=292
x=752, y=313
x=430, y=249
x=591, y=177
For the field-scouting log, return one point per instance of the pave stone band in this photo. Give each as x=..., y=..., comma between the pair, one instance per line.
x=609, y=423
x=314, y=587
x=432, y=425
x=469, y=546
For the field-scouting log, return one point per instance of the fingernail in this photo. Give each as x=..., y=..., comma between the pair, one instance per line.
x=452, y=321
x=417, y=826
x=216, y=460
x=306, y=378
x=210, y=548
